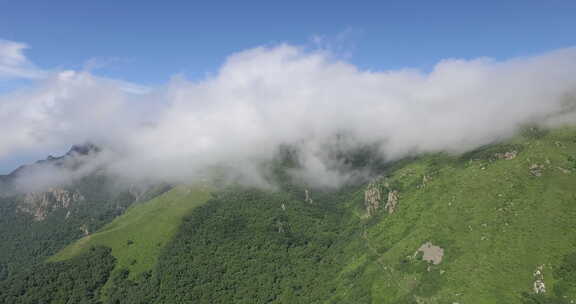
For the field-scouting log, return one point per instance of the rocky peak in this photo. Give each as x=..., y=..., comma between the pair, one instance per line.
x=73, y=160
x=84, y=149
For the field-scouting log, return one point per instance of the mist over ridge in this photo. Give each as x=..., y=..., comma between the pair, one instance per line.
x=268, y=97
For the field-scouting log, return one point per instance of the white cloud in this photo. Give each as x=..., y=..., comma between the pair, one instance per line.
x=13, y=63
x=265, y=97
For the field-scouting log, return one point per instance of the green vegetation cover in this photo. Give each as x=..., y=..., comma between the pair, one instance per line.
x=495, y=225
x=137, y=236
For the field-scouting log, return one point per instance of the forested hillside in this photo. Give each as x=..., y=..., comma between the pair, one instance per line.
x=494, y=225
x=74, y=281
x=36, y=224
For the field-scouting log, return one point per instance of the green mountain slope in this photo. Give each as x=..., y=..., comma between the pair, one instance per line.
x=77, y=280
x=495, y=225
x=251, y=246
x=34, y=226
x=137, y=237
x=497, y=217
x=491, y=219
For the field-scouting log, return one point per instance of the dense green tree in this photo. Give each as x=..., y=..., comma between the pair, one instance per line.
x=74, y=281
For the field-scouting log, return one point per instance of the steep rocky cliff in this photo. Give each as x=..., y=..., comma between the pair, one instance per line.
x=40, y=204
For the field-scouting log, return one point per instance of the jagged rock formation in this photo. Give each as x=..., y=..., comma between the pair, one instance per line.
x=40, y=204
x=392, y=202
x=372, y=198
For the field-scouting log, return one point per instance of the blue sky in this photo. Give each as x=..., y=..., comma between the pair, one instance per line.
x=148, y=42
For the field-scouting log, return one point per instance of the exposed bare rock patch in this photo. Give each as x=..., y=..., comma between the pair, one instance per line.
x=84, y=229
x=40, y=204
x=392, y=202
x=137, y=192
x=281, y=227
x=372, y=198
x=536, y=169
x=307, y=197
x=431, y=253
x=539, y=286
x=425, y=180
x=507, y=155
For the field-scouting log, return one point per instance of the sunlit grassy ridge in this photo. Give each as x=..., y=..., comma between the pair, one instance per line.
x=497, y=220
x=137, y=237
x=499, y=213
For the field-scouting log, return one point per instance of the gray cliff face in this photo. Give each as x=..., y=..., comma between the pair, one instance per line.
x=377, y=194
x=372, y=198
x=41, y=204
x=392, y=201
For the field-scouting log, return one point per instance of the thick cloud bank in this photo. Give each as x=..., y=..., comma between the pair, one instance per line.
x=266, y=97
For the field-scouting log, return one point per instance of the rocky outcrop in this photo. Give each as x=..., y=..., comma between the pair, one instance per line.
x=392, y=202
x=84, y=229
x=372, y=198
x=536, y=169
x=539, y=286
x=281, y=227
x=307, y=197
x=425, y=180
x=137, y=192
x=374, y=195
x=507, y=155
x=40, y=204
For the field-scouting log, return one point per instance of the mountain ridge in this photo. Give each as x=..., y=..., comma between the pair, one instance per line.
x=493, y=225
